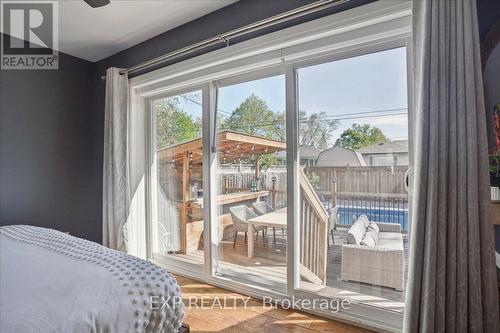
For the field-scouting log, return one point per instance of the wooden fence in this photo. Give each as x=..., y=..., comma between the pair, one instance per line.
x=360, y=179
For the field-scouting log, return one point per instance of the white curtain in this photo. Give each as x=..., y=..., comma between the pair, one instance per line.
x=169, y=239
x=116, y=180
x=452, y=275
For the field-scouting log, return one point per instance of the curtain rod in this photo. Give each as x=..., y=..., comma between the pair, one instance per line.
x=227, y=36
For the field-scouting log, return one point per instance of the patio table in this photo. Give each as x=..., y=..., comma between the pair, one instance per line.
x=275, y=219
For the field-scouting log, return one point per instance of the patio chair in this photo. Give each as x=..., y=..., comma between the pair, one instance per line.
x=262, y=208
x=333, y=221
x=240, y=215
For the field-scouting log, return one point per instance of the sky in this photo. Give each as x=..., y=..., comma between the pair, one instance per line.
x=368, y=89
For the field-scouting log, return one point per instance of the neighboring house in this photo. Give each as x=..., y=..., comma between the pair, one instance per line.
x=308, y=155
x=386, y=153
x=339, y=156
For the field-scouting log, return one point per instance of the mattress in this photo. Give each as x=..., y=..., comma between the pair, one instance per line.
x=53, y=282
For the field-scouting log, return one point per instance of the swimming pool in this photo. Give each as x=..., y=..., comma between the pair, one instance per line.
x=389, y=215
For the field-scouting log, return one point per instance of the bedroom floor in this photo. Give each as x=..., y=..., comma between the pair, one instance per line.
x=252, y=318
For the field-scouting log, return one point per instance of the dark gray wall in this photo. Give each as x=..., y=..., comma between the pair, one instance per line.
x=49, y=149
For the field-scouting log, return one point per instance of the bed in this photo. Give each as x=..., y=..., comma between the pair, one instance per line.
x=53, y=282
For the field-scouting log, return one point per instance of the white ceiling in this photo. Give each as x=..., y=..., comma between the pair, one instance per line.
x=96, y=33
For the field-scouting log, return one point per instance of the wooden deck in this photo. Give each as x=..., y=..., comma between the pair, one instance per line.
x=268, y=269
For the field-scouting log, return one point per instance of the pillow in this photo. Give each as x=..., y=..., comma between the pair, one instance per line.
x=374, y=226
x=356, y=232
x=365, y=220
x=370, y=239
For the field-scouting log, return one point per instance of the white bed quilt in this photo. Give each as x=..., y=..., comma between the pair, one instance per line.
x=53, y=282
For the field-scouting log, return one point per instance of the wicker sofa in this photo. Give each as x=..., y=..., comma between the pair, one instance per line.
x=382, y=264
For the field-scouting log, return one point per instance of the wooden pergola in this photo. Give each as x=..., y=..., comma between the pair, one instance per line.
x=187, y=157
x=231, y=146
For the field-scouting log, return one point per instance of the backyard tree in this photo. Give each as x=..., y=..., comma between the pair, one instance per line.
x=316, y=129
x=253, y=117
x=174, y=125
x=278, y=129
x=359, y=136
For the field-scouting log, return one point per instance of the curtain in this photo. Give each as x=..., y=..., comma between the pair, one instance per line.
x=116, y=181
x=452, y=274
x=169, y=237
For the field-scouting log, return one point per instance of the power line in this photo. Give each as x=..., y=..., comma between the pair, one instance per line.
x=364, y=112
x=304, y=120
x=200, y=104
x=337, y=117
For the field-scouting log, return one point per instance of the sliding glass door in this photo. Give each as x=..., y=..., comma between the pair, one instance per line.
x=354, y=157
x=177, y=214
x=251, y=181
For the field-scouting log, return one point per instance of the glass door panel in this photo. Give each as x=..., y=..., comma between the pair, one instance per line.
x=177, y=218
x=251, y=182
x=353, y=153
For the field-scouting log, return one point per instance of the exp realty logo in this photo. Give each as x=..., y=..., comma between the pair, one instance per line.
x=30, y=34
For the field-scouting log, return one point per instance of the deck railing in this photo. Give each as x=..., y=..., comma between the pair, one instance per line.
x=313, y=221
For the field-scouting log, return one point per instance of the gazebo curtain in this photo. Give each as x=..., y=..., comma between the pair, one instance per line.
x=452, y=274
x=116, y=180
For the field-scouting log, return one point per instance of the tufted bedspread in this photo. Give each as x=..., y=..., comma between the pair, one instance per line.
x=53, y=282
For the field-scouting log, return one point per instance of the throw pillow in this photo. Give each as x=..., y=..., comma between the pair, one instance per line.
x=356, y=233
x=371, y=238
x=365, y=220
x=373, y=226
x=368, y=240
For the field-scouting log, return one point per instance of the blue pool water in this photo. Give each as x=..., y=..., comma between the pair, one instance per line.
x=399, y=216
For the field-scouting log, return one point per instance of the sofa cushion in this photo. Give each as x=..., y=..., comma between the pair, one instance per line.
x=374, y=226
x=390, y=240
x=365, y=220
x=356, y=232
x=371, y=238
